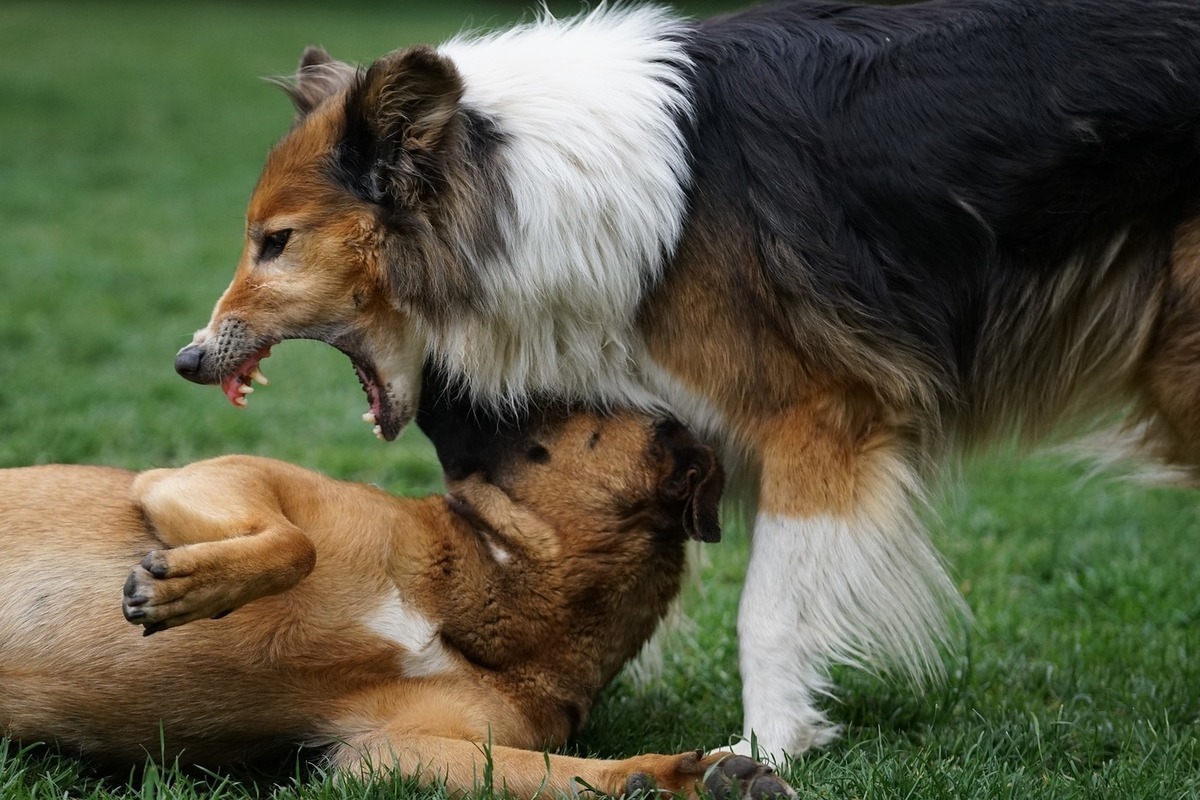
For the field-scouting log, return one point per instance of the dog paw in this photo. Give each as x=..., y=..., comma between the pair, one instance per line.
x=742, y=777
x=721, y=776
x=164, y=591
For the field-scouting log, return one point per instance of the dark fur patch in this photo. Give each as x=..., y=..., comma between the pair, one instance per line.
x=428, y=166
x=942, y=160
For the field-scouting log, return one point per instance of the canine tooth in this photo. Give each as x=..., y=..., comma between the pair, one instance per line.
x=240, y=400
x=246, y=388
x=256, y=375
x=369, y=418
x=379, y=432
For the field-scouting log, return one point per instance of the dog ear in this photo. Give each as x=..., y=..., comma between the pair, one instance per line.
x=694, y=485
x=397, y=119
x=318, y=77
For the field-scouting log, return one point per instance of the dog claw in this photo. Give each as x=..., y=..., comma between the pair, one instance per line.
x=155, y=564
x=130, y=591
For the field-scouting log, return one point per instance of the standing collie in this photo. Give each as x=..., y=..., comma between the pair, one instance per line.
x=845, y=242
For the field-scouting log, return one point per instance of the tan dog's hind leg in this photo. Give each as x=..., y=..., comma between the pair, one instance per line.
x=230, y=543
x=465, y=766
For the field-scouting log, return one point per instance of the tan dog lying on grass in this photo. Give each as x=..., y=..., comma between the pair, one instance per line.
x=427, y=635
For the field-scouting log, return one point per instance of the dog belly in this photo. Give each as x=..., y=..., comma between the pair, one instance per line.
x=72, y=670
x=68, y=538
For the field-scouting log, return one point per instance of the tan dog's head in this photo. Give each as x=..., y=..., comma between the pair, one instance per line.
x=353, y=223
x=586, y=514
x=591, y=473
x=577, y=465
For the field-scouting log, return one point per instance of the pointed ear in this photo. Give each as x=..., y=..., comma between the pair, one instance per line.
x=693, y=484
x=318, y=77
x=398, y=117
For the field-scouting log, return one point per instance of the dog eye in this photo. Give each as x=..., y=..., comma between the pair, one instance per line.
x=538, y=454
x=273, y=244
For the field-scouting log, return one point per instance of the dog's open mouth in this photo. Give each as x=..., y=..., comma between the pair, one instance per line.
x=380, y=413
x=237, y=386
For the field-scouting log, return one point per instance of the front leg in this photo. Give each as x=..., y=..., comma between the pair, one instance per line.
x=229, y=543
x=840, y=572
x=462, y=766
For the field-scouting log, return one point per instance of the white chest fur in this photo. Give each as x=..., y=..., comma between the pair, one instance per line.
x=399, y=622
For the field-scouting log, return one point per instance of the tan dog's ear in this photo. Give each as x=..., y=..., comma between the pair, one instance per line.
x=397, y=116
x=695, y=483
x=318, y=77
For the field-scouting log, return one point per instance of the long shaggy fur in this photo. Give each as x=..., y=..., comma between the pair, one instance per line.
x=846, y=242
x=595, y=174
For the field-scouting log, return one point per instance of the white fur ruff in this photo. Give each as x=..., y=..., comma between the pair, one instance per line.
x=597, y=168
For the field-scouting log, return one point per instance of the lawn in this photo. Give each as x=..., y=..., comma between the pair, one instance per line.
x=130, y=137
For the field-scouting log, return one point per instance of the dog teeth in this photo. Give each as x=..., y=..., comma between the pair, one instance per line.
x=379, y=432
x=369, y=418
x=246, y=388
x=240, y=401
x=256, y=375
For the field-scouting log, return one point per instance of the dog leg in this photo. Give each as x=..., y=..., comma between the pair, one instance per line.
x=466, y=766
x=840, y=572
x=229, y=541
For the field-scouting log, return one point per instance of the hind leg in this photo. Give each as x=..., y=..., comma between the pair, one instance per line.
x=840, y=571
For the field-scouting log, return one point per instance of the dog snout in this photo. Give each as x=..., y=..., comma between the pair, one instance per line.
x=189, y=361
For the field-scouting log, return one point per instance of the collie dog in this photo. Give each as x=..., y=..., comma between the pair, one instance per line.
x=443, y=637
x=846, y=243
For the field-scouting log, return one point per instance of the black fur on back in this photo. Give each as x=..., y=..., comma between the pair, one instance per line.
x=913, y=166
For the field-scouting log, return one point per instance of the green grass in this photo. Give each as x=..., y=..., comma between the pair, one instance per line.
x=130, y=137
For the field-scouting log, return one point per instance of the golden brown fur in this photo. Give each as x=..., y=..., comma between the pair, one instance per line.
x=899, y=235
x=389, y=631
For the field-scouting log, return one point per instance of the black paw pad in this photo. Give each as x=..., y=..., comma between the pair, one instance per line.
x=639, y=783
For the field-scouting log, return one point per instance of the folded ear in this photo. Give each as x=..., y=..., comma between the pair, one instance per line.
x=397, y=118
x=318, y=77
x=695, y=482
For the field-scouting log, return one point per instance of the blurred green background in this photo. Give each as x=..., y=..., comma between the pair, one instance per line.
x=131, y=135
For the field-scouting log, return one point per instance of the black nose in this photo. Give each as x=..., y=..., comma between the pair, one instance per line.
x=188, y=360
